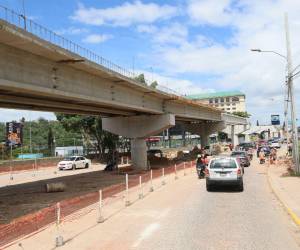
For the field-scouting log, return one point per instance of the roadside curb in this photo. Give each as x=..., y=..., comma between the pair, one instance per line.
x=293, y=215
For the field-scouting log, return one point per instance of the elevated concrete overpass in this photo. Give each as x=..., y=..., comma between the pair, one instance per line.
x=37, y=74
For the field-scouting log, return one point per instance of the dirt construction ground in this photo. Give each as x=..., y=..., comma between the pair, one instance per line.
x=25, y=198
x=18, y=200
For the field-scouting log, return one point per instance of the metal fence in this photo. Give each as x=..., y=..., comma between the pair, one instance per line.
x=105, y=202
x=42, y=32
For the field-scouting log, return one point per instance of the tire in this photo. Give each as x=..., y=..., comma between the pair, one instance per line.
x=241, y=187
x=208, y=187
x=86, y=165
x=73, y=167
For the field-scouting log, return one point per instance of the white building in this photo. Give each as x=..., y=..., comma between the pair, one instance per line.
x=228, y=101
x=68, y=151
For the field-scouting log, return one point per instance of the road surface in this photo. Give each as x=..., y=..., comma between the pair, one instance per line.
x=183, y=215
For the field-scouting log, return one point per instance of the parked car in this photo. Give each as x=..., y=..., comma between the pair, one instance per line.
x=243, y=157
x=224, y=171
x=74, y=162
x=155, y=152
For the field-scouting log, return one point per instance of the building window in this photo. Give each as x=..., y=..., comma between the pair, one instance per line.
x=222, y=105
x=235, y=99
x=222, y=99
x=216, y=100
x=233, y=108
x=228, y=104
x=227, y=99
x=233, y=104
x=228, y=108
x=211, y=100
x=216, y=105
x=223, y=109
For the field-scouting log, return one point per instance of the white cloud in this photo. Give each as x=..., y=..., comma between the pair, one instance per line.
x=176, y=84
x=215, y=12
x=144, y=28
x=71, y=31
x=125, y=14
x=97, y=38
x=173, y=34
x=7, y=115
x=260, y=76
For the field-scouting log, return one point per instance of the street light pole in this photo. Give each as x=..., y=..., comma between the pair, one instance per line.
x=292, y=97
x=286, y=95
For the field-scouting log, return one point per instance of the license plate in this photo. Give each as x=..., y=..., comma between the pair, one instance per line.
x=223, y=174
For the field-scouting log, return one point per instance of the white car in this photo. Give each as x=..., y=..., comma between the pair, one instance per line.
x=74, y=162
x=275, y=144
x=224, y=171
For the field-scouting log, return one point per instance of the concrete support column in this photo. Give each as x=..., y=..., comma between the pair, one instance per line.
x=138, y=152
x=204, y=139
x=138, y=128
x=234, y=137
x=204, y=129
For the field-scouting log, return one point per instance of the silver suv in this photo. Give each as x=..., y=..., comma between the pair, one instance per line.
x=224, y=171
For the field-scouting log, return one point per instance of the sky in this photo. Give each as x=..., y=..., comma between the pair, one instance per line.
x=190, y=46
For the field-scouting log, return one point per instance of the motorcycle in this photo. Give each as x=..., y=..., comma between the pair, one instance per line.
x=201, y=170
x=262, y=161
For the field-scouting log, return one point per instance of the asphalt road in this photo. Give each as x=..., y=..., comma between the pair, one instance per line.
x=183, y=215
x=224, y=219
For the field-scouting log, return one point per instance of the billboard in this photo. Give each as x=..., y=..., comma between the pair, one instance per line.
x=14, y=134
x=275, y=120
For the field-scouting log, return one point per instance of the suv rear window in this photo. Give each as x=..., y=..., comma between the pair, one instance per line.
x=238, y=154
x=223, y=163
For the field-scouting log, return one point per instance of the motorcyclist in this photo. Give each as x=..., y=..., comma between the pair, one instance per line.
x=201, y=165
x=262, y=156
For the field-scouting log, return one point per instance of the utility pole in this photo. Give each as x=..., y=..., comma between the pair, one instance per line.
x=292, y=97
x=286, y=108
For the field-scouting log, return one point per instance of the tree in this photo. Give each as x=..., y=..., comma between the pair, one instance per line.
x=154, y=84
x=141, y=78
x=241, y=114
x=91, y=129
x=50, y=141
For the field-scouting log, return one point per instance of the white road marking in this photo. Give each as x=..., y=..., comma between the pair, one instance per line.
x=149, y=230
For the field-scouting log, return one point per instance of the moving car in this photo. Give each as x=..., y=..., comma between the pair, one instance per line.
x=243, y=157
x=275, y=144
x=224, y=171
x=246, y=145
x=74, y=162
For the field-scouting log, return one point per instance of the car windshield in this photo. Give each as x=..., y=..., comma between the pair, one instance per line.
x=223, y=163
x=70, y=158
x=238, y=153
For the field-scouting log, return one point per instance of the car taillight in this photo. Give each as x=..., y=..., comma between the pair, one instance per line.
x=239, y=172
x=206, y=172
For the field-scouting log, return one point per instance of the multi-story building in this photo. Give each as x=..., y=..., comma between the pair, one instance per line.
x=230, y=101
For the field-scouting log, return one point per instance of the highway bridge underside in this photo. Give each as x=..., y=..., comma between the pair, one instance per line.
x=37, y=75
x=138, y=128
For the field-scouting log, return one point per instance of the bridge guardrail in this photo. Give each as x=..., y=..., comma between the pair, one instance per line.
x=42, y=32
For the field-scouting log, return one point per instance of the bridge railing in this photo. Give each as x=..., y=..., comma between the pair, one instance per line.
x=42, y=32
